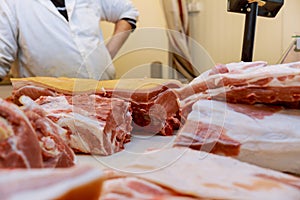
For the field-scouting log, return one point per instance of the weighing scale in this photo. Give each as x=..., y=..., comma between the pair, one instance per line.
x=267, y=8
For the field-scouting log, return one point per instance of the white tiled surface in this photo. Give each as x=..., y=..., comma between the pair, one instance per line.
x=5, y=91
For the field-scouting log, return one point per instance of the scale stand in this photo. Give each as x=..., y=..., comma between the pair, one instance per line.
x=267, y=8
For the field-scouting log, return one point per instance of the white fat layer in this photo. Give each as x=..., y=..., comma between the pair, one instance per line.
x=76, y=123
x=27, y=102
x=280, y=128
x=60, y=131
x=57, y=103
x=121, y=185
x=57, y=189
x=253, y=74
x=277, y=137
x=211, y=176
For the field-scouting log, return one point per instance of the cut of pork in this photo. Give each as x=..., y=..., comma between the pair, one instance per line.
x=247, y=82
x=267, y=136
x=31, y=91
x=154, y=105
x=75, y=183
x=55, y=151
x=182, y=173
x=19, y=145
x=95, y=124
x=126, y=188
x=158, y=115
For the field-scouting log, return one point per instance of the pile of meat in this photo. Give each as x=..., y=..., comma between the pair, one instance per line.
x=28, y=139
x=247, y=82
x=153, y=103
x=74, y=183
x=246, y=110
x=46, y=132
x=239, y=109
x=180, y=173
x=174, y=173
x=94, y=124
x=98, y=122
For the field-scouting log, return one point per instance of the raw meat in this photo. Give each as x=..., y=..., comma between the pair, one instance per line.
x=75, y=183
x=55, y=151
x=188, y=174
x=247, y=82
x=126, y=188
x=19, y=145
x=95, y=124
x=31, y=91
x=158, y=115
x=154, y=105
x=267, y=136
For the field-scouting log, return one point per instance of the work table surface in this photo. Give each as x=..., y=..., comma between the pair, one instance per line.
x=5, y=91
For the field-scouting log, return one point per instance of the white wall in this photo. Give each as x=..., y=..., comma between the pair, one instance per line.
x=218, y=31
x=221, y=32
x=147, y=44
x=291, y=21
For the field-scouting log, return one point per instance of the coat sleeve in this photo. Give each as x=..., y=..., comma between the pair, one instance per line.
x=8, y=38
x=114, y=10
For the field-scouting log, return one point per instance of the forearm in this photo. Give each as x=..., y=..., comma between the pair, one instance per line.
x=121, y=33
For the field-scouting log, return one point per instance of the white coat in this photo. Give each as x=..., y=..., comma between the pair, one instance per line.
x=46, y=44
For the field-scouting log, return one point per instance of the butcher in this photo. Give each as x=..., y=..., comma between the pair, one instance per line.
x=62, y=37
